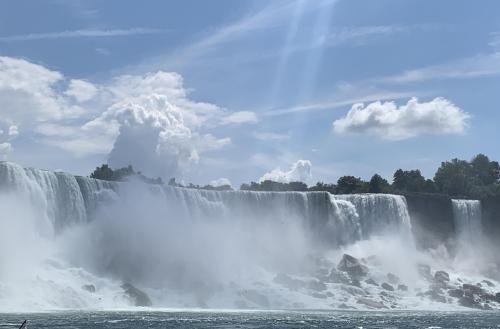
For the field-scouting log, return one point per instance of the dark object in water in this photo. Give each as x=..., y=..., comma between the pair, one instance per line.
x=24, y=325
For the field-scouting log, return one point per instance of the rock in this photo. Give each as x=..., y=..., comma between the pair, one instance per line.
x=488, y=283
x=316, y=285
x=89, y=287
x=488, y=297
x=352, y=266
x=436, y=296
x=424, y=271
x=475, y=290
x=487, y=307
x=497, y=297
x=139, y=297
x=343, y=306
x=393, y=278
x=255, y=297
x=371, y=303
x=372, y=282
x=441, y=276
x=468, y=301
x=329, y=294
x=337, y=276
x=355, y=291
x=387, y=286
x=355, y=282
x=456, y=293
x=402, y=287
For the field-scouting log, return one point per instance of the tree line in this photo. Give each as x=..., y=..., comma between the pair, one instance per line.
x=475, y=179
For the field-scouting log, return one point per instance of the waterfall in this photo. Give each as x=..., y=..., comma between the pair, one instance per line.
x=467, y=217
x=379, y=213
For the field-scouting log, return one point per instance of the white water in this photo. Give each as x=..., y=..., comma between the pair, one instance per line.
x=193, y=248
x=467, y=216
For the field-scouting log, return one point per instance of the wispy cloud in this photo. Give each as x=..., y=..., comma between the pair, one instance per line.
x=84, y=33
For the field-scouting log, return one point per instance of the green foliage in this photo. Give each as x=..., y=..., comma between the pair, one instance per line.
x=377, y=184
x=351, y=184
x=412, y=181
x=269, y=185
x=104, y=172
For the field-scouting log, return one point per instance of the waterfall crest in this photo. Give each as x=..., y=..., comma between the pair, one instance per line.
x=467, y=217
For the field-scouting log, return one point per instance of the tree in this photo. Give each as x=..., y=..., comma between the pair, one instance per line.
x=378, y=184
x=320, y=186
x=409, y=181
x=351, y=184
x=484, y=171
x=454, y=178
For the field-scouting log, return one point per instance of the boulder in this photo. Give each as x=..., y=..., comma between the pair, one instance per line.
x=372, y=282
x=352, y=266
x=355, y=291
x=456, y=293
x=488, y=283
x=497, y=297
x=402, y=287
x=89, y=287
x=318, y=295
x=387, y=286
x=139, y=297
x=473, y=289
x=468, y=301
x=436, y=295
x=337, y=276
x=441, y=276
x=393, y=278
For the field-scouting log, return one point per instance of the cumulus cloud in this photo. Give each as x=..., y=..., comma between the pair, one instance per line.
x=389, y=121
x=147, y=120
x=7, y=133
x=220, y=182
x=299, y=172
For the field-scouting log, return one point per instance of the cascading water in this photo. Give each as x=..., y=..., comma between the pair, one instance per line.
x=78, y=240
x=467, y=218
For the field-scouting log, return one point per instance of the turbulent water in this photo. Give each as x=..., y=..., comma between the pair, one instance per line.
x=467, y=215
x=71, y=242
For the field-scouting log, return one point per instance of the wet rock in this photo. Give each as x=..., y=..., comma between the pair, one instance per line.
x=316, y=285
x=436, y=295
x=139, y=297
x=89, y=287
x=372, y=282
x=387, y=286
x=456, y=293
x=468, y=301
x=393, y=278
x=441, y=276
x=424, y=271
x=488, y=297
x=352, y=266
x=497, y=297
x=402, y=287
x=255, y=297
x=487, y=307
x=488, y=283
x=337, y=276
x=475, y=290
x=355, y=291
x=371, y=303
x=356, y=283
x=329, y=294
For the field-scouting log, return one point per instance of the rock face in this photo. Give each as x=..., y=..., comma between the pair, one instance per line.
x=89, y=287
x=387, y=286
x=441, y=276
x=352, y=266
x=139, y=297
x=431, y=218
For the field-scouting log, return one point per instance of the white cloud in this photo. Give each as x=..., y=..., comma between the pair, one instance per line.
x=300, y=171
x=145, y=120
x=86, y=33
x=269, y=136
x=81, y=90
x=7, y=133
x=220, y=182
x=240, y=117
x=389, y=121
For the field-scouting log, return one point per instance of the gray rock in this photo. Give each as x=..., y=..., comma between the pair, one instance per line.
x=497, y=297
x=393, y=278
x=355, y=291
x=352, y=266
x=337, y=276
x=475, y=290
x=441, y=276
x=139, y=297
x=456, y=293
x=468, y=301
x=387, y=286
x=424, y=271
x=402, y=287
x=436, y=295
x=372, y=282
x=488, y=283
x=89, y=288
x=318, y=295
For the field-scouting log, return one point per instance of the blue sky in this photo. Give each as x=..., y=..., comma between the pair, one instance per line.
x=203, y=90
